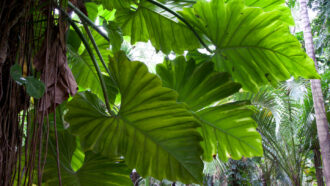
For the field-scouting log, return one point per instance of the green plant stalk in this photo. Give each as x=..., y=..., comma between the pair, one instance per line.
x=147, y=181
x=184, y=21
x=96, y=49
x=88, y=21
x=90, y=52
x=84, y=18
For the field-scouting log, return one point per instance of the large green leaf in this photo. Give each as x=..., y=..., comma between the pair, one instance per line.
x=228, y=129
x=274, y=5
x=149, y=22
x=111, y=4
x=256, y=47
x=84, y=71
x=197, y=85
x=94, y=169
x=114, y=34
x=155, y=134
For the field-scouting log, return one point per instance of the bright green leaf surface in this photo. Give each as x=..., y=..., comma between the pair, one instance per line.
x=197, y=85
x=148, y=22
x=110, y=4
x=154, y=133
x=84, y=70
x=92, y=10
x=273, y=5
x=254, y=46
x=115, y=35
x=230, y=131
x=94, y=169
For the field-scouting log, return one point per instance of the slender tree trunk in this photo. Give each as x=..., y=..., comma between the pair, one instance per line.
x=265, y=178
x=135, y=177
x=321, y=119
x=318, y=165
x=296, y=180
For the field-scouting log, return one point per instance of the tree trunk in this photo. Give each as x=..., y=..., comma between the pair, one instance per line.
x=321, y=119
x=296, y=180
x=318, y=165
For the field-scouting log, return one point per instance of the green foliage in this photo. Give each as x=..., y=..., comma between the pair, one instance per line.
x=34, y=87
x=255, y=47
x=227, y=129
x=93, y=168
x=149, y=22
x=154, y=133
x=119, y=4
x=166, y=132
x=198, y=85
x=115, y=35
x=274, y=5
x=84, y=71
x=230, y=131
x=285, y=121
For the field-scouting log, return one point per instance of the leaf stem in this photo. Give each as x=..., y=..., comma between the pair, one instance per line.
x=97, y=49
x=84, y=18
x=184, y=21
x=96, y=65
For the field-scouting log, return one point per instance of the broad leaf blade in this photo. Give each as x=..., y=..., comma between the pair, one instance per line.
x=254, y=46
x=230, y=131
x=154, y=133
x=84, y=70
x=95, y=169
x=118, y=4
x=148, y=23
x=197, y=85
x=115, y=35
x=273, y=5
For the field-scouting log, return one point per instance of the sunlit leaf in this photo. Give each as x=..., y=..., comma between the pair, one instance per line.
x=155, y=134
x=94, y=169
x=254, y=46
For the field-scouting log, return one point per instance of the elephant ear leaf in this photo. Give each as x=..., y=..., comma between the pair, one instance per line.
x=274, y=5
x=156, y=134
x=92, y=168
x=149, y=22
x=228, y=130
x=254, y=46
x=198, y=85
x=83, y=69
x=118, y=4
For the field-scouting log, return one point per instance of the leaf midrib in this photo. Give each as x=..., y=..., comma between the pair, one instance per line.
x=157, y=143
x=225, y=132
x=255, y=47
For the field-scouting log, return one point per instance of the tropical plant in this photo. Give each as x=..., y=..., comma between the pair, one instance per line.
x=320, y=112
x=123, y=117
x=287, y=128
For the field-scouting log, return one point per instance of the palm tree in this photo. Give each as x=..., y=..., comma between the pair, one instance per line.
x=285, y=124
x=321, y=119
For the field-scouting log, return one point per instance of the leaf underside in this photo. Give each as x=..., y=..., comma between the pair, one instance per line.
x=155, y=134
x=254, y=46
